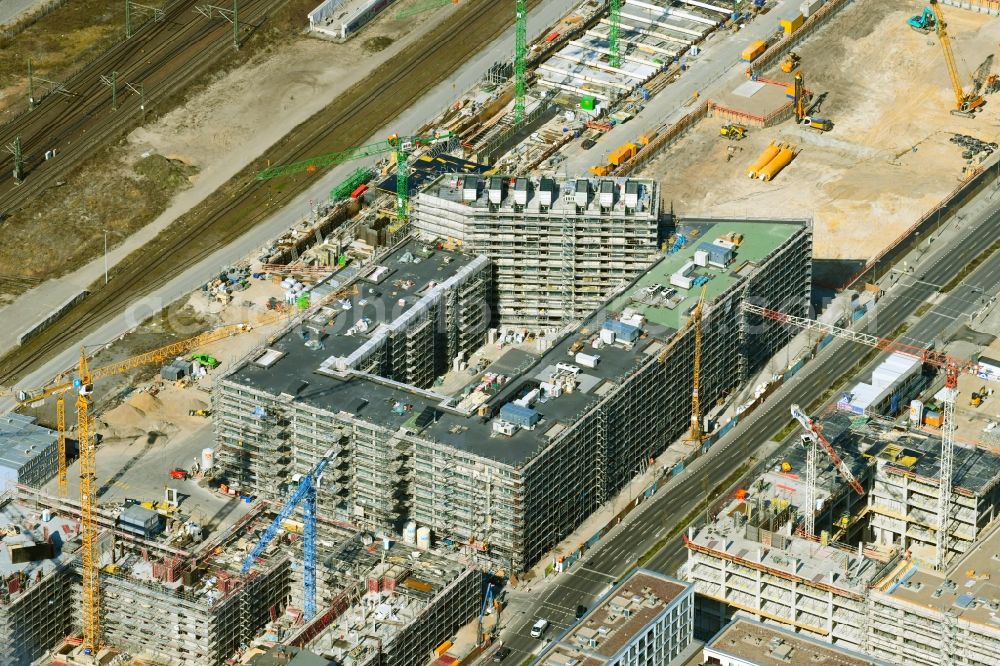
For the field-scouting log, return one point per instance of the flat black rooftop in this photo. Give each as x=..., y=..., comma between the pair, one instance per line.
x=386, y=290
x=392, y=405
x=976, y=470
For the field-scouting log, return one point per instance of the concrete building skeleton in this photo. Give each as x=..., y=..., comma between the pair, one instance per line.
x=496, y=491
x=35, y=593
x=29, y=453
x=185, y=600
x=883, y=599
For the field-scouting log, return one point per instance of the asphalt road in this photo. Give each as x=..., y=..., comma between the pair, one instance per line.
x=584, y=583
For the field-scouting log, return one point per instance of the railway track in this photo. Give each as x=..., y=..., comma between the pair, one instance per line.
x=161, y=59
x=227, y=214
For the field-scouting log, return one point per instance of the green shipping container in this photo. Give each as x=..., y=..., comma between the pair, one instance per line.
x=588, y=102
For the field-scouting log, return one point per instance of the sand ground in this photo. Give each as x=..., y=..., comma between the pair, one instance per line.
x=888, y=158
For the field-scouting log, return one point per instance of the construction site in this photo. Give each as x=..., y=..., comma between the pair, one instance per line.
x=878, y=161
x=349, y=439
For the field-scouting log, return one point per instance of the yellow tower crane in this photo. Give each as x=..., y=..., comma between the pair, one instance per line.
x=694, y=320
x=696, y=433
x=88, y=502
x=965, y=104
x=84, y=384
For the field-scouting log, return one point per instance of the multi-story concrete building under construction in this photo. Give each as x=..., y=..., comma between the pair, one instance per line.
x=884, y=597
x=557, y=247
x=504, y=455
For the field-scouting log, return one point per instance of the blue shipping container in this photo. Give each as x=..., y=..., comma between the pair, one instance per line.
x=623, y=331
x=525, y=417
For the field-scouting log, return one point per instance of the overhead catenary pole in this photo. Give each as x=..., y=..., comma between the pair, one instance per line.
x=156, y=13
x=231, y=15
x=520, y=56
x=112, y=82
x=15, y=150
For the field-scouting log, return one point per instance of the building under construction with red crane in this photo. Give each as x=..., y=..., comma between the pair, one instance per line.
x=754, y=555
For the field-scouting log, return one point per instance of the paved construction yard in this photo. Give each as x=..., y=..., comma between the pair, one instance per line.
x=888, y=158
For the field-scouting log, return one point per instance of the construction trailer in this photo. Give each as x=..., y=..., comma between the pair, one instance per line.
x=513, y=457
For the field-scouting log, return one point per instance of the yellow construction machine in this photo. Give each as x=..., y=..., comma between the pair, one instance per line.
x=790, y=62
x=733, y=132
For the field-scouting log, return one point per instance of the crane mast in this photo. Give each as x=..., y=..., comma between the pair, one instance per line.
x=696, y=433
x=947, y=464
x=304, y=494
x=614, y=31
x=61, y=434
x=90, y=554
x=520, y=58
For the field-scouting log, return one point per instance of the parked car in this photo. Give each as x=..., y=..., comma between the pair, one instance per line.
x=177, y=473
x=501, y=654
x=587, y=144
x=580, y=612
x=539, y=628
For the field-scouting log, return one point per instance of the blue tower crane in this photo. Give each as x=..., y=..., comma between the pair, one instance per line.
x=487, y=603
x=306, y=492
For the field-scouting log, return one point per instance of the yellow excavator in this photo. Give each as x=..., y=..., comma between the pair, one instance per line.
x=733, y=132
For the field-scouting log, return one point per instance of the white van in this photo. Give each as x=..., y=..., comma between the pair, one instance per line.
x=539, y=628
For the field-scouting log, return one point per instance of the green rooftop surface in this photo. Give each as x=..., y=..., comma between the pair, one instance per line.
x=759, y=240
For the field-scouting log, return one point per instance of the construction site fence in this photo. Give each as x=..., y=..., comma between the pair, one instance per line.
x=662, y=140
x=929, y=223
x=784, y=45
x=982, y=6
x=52, y=317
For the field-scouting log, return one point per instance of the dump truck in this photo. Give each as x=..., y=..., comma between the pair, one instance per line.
x=733, y=131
